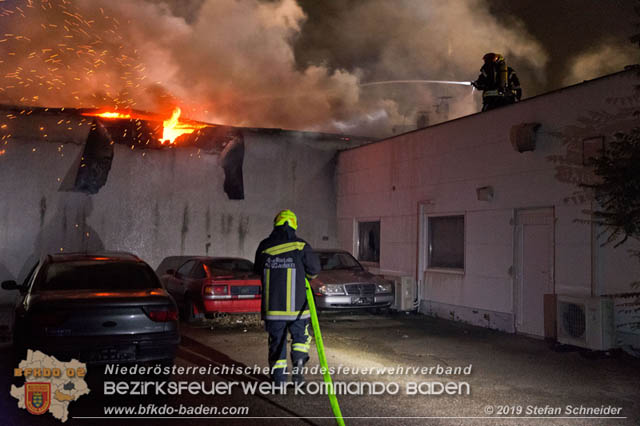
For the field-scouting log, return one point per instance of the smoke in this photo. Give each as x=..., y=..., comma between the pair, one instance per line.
x=605, y=58
x=255, y=63
x=416, y=39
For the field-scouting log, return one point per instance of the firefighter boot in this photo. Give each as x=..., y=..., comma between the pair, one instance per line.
x=297, y=377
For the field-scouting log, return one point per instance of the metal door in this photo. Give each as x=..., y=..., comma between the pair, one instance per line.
x=534, y=253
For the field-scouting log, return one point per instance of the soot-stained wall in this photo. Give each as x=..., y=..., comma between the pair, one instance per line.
x=156, y=202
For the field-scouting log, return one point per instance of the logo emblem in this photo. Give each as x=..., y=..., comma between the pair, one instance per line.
x=37, y=397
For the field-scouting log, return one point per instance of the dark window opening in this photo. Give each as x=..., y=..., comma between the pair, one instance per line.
x=95, y=163
x=446, y=242
x=369, y=241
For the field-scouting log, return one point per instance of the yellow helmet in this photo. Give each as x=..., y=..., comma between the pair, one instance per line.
x=286, y=216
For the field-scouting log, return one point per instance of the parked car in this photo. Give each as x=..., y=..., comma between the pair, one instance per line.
x=203, y=286
x=95, y=307
x=344, y=284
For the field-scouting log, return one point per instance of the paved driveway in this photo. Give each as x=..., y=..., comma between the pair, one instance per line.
x=465, y=376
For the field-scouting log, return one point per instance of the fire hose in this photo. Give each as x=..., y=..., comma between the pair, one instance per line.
x=333, y=399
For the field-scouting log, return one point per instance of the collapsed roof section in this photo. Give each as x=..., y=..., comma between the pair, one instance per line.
x=98, y=131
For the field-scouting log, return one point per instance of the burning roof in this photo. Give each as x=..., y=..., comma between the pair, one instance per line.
x=148, y=125
x=98, y=130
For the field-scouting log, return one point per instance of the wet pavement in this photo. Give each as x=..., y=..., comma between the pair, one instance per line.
x=424, y=371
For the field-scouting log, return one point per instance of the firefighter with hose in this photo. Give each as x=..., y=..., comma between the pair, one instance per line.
x=285, y=262
x=499, y=83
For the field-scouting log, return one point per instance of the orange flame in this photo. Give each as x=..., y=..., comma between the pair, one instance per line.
x=173, y=128
x=108, y=115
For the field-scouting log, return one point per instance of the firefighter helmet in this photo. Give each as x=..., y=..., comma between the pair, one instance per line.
x=493, y=57
x=489, y=57
x=286, y=216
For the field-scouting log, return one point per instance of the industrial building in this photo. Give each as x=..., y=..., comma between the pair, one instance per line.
x=484, y=217
x=480, y=219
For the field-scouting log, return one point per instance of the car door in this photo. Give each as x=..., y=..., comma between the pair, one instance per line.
x=180, y=281
x=23, y=299
x=196, y=280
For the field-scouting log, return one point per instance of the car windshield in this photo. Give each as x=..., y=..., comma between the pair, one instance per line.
x=233, y=265
x=337, y=260
x=97, y=275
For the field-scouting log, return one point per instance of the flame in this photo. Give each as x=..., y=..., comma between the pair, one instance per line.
x=114, y=115
x=107, y=114
x=173, y=128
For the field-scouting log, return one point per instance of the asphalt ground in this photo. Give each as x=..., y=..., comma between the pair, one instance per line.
x=514, y=380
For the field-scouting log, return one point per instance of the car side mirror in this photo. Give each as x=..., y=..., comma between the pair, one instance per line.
x=170, y=272
x=10, y=285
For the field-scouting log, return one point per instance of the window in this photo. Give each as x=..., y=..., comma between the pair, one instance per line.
x=233, y=265
x=331, y=261
x=185, y=269
x=97, y=275
x=369, y=241
x=199, y=272
x=446, y=242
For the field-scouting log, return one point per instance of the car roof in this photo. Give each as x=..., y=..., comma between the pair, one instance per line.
x=331, y=251
x=203, y=258
x=99, y=255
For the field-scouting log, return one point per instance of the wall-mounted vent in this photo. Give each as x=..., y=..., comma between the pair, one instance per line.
x=523, y=136
x=484, y=193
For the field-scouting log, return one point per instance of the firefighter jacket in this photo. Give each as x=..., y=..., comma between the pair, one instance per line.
x=285, y=262
x=493, y=82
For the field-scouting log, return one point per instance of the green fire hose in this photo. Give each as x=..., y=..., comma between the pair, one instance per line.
x=323, y=359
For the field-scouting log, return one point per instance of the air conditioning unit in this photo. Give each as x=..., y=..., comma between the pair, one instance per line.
x=405, y=293
x=587, y=322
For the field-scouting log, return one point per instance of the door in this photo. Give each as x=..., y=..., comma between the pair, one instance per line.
x=534, y=252
x=179, y=282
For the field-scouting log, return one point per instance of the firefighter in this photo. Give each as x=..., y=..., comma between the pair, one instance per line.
x=285, y=262
x=499, y=83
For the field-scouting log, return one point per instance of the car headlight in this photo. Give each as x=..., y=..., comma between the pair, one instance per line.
x=384, y=288
x=331, y=289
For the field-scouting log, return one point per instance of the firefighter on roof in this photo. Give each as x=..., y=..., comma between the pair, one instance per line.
x=285, y=262
x=499, y=83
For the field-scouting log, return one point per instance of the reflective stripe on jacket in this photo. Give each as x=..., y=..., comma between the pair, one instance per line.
x=285, y=262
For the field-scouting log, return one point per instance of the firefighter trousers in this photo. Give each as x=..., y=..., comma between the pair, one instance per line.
x=299, y=330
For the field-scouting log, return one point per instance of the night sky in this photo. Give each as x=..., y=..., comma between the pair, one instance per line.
x=565, y=29
x=299, y=64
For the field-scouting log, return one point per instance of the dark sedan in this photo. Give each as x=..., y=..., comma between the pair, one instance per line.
x=344, y=284
x=97, y=308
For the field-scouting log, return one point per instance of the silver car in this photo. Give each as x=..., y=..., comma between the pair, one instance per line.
x=97, y=308
x=344, y=284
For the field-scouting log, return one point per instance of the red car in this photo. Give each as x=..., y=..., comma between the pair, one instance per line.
x=204, y=285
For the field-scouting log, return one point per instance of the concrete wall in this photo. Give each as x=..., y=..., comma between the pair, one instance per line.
x=437, y=171
x=155, y=203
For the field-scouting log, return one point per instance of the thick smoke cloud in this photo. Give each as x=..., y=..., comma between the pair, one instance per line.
x=415, y=39
x=604, y=58
x=278, y=63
